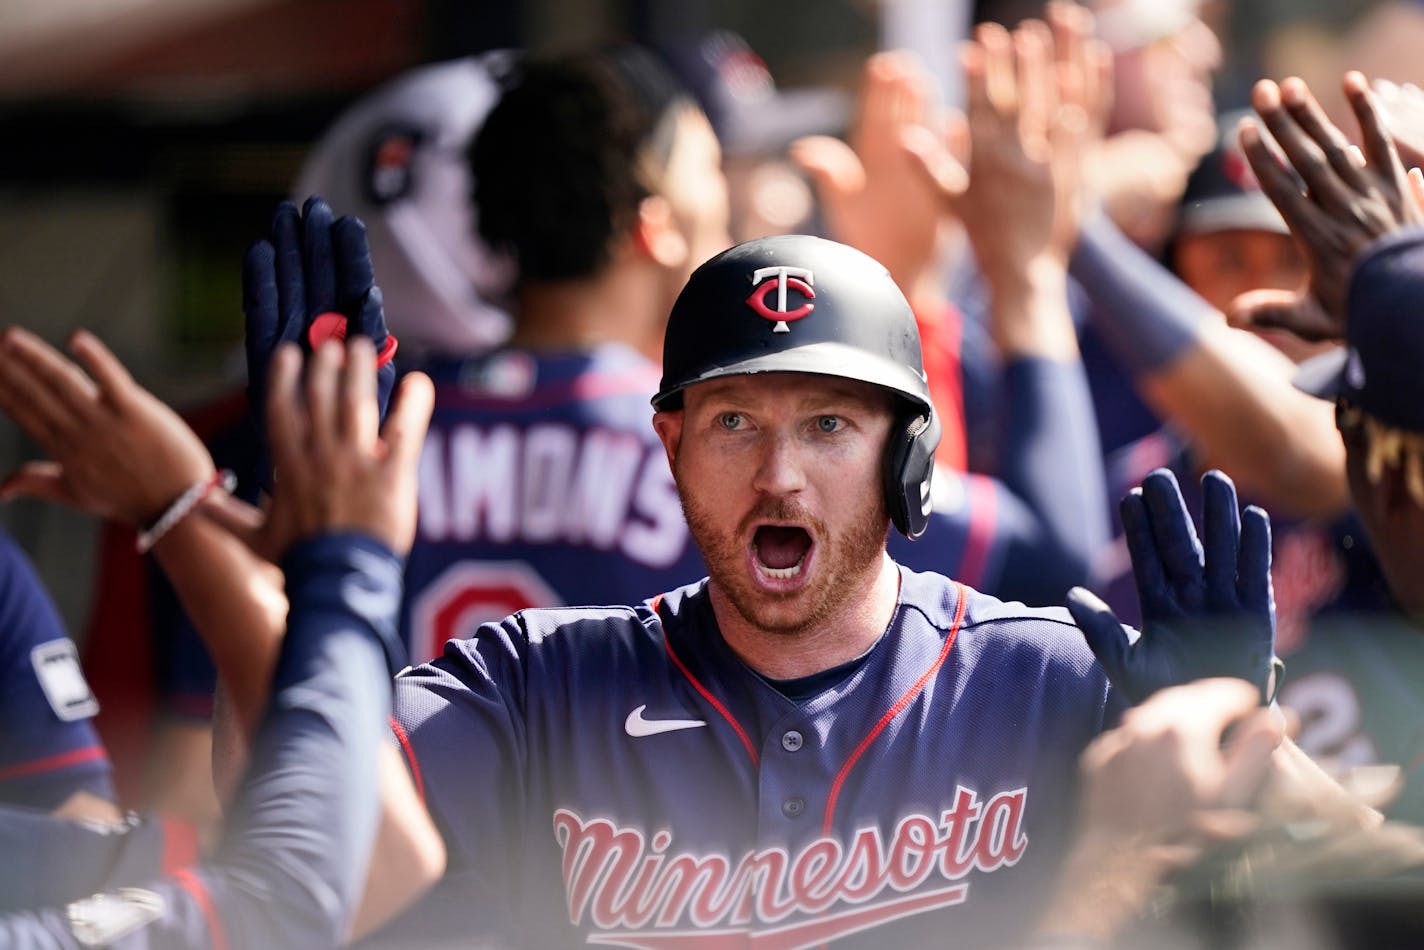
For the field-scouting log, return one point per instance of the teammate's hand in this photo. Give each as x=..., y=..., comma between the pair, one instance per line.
x=311, y=281
x=341, y=468
x=1207, y=606
x=1033, y=99
x=114, y=449
x=1181, y=774
x=1351, y=199
x=868, y=189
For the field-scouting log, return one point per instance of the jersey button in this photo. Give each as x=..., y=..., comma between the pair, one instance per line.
x=793, y=807
x=792, y=741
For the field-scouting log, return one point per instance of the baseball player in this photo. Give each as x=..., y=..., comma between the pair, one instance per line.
x=814, y=744
x=542, y=484
x=1356, y=673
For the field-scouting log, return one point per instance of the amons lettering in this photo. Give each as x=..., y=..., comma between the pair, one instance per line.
x=551, y=483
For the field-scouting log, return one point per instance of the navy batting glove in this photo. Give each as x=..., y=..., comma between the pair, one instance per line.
x=1207, y=606
x=312, y=280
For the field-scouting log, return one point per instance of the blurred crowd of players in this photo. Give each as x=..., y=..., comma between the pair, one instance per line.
x=1238, y=297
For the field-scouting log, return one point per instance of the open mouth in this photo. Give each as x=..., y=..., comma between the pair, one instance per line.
x=780, y=550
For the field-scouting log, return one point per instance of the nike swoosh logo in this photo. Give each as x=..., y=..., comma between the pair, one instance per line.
x=636, y=726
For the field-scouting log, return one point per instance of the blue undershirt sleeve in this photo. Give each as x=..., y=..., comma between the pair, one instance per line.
x=292, y=864
x=1143, y=312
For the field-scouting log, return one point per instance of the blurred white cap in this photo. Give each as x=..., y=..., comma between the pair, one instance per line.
x=1126, y=25
x=396, y=159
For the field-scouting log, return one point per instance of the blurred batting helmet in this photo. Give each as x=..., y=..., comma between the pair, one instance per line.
x=396, y=159
x=801, y=304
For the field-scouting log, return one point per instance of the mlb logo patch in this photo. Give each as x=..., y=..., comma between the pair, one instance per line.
x=57, y=668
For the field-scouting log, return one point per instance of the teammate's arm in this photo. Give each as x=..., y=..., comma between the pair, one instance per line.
x=1019, y=201
x=1230, y=392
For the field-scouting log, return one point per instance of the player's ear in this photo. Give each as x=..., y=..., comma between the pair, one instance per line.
x=656, y=234
x=668, y=426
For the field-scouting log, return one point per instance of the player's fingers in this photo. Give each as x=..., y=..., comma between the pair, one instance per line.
x=1200, y=710
x=1278, y=184
x=1380, y=151
x=1106, y=637
x=1416, y=187
x=1305, y=155
x=1067, y=41
x=62, y=398
x=1297, y=313
x=20, y=396
x=1247, y=756
x=933, y=160
x=319, y=257
x=43, y=480
x=888, y=99
x=286, y=423
x=113, y=379
x=832, y=165
x=1305, y=110
x=1071, y=26
x=999, y=73
x=360, y=418
x=1176, y=538
x=1221, y=539
x=1253, y=563
x=1147, y=571
x=1037, y=93
x=260, y=305
x=288, y=271
x=322, y=393
x=978, y=110
x=404, y=431
x=355, y=279
x=911, y=84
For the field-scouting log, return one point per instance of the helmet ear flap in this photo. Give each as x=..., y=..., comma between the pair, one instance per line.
x=909, y=465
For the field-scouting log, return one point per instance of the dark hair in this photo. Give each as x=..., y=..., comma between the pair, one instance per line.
x=1010, y=13
x=567, y=154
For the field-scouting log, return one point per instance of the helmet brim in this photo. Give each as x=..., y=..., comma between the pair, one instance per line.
x=820, y=359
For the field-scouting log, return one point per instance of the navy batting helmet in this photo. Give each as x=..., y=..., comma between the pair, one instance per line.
x=801, y=304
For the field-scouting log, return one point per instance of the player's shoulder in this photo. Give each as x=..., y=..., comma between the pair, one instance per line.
x=595, y=628
x=550, y=627
x=983, y=621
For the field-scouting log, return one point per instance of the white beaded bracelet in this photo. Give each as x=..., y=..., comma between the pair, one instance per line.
x=183, y=506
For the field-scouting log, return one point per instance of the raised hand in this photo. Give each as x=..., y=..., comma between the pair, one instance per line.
x=341, y=469
x=1033, y=96
x=869, y=192
x=114, y=449
x=1207, y=606
x=311, y=281
x=1352, y=198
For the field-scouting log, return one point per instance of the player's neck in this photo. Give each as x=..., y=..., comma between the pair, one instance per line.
x=838, y=639
x=586, y=314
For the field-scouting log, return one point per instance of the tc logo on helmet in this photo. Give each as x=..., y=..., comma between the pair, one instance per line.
x=780, y=278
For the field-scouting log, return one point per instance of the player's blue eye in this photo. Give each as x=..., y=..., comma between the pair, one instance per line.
x=828, y=423
x=730, y=420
